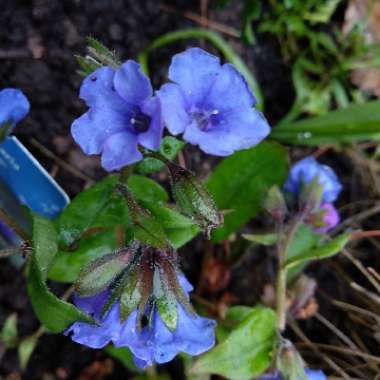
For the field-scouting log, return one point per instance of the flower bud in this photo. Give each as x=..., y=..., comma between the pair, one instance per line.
x=275, y=204
x=311, y=196
x=145, y=226
x=289, y=362
x=194, y=199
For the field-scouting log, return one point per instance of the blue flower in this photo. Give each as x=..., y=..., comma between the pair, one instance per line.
x=153, y=343
x=123, y=114
x=13, y=107
x=211, y=104
x=310, y=375
x=304, y=171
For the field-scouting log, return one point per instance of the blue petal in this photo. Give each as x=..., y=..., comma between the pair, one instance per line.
x=184, y=283
x=229, y=92
x=174, y=108
x=193, y=335
x=92, y=305
x=305, y=170
x=97, y=336
x=151, y=139
x=13, y=106
x=120, y=150
x=195, y=71
x=315, y=374
x=132, y=84
x=108, y=114
x=232, y=131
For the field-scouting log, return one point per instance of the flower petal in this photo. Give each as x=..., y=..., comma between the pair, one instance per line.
x=151, y=139
x=235, y=130
x=174, y=112
x=132, y=84
x=97, y=336
x=92, y=305
x=120, y=150
x=305, y=170
x=195, y=71
x=92, y=129
x=13, y=106
x=230, y=91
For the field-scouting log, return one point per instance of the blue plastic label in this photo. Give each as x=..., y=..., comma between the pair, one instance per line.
x=29, y=181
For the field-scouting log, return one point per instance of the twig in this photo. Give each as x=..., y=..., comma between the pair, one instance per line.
x=204, y=22
x=336, y=331
x=13, y=225
x=69, y=168
x=309, y=343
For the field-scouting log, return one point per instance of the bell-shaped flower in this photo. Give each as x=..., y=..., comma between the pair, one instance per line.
x=305, y=171
x=210, y=104
x=122, y=115
x=145, y=307
x=13, y=107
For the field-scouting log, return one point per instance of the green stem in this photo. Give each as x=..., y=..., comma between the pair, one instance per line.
x=282, y=272
x=215, y=39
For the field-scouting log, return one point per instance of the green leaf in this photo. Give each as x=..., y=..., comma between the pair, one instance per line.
x=234, y=316
x=304, y=240
x=264, y=239
x=8, y=334
x=251, y=12
x=67, y=265
x=178, y=228
x=170, y=146
x=246, y=353
x=354, y=123
x=124, y=356
x=25, y=350
x=44, y=243
x=145, y=189
x=83, y=211
x=55, y=314
x=329, y=249
x=240, y=183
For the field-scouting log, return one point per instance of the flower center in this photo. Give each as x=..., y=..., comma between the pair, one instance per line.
x=140, y=121
x=205, y=118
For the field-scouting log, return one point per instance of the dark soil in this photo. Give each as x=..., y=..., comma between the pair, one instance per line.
x=38, y=43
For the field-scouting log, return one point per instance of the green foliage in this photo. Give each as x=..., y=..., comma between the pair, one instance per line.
x=169, y=148
x=329, y=249
x=354, y=123
x=124, y=356
x=90, y=226
x=8, y=333
x=26, y=348
x=240, y=183
x=55, y=314
x=246, y=352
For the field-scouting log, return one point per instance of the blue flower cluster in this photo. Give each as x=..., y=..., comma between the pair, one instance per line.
x=302, y=173
x=150, y=343
x=14, y=106
x=209, y=103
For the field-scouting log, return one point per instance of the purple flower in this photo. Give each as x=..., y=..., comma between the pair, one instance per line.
x=330, y=218
x=305, y=171
x=310, y=375
x=13, y=107
x=123, y=114
x=154, y=342
x=211, y=104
